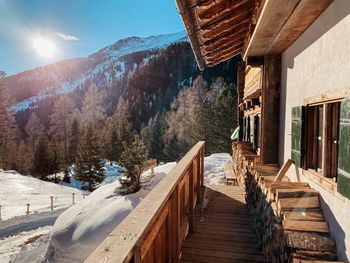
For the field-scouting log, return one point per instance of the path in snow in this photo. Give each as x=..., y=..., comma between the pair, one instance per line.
x=13, y=246
x=27, y=223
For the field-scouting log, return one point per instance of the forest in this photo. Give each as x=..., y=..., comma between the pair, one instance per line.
x=146, y=108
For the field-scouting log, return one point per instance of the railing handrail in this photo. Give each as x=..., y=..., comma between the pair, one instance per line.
x=121, y=243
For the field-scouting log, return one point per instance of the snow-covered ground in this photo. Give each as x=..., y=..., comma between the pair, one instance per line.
x=83, y=226
x=16, y=191
x=214, y=168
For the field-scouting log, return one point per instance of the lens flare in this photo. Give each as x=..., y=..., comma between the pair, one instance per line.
x=44, y=47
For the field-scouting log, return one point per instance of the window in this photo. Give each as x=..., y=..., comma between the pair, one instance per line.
x=320, y=139
x=322, y=133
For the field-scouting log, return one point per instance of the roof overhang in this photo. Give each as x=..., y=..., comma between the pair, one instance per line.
x=221, y=29
x=280, y=23
x=217, y=28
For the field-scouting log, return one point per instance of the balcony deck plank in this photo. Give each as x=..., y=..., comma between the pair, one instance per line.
x=223, y=230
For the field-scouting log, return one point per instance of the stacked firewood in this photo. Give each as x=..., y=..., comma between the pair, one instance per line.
x=288, y=219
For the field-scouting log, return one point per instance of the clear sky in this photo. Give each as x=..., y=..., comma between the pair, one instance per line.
x=75, y=28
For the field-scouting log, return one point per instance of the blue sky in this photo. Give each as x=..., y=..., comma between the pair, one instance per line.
x=77, y=28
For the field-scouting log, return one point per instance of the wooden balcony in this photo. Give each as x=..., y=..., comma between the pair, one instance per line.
x=181, y=220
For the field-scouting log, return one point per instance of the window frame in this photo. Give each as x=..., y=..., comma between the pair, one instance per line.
x=321, y=155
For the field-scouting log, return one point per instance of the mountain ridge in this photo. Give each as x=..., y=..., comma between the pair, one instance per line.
x=68, y=75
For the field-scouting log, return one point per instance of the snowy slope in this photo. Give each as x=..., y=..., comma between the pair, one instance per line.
x=81, y=228
x=17, y=190
x=85, y=225
x=102, y=65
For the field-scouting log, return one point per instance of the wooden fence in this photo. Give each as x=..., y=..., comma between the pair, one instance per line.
x=156, y=229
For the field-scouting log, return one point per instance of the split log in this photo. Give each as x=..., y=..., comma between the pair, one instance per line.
x=298, y=203
x=309, y=241
x=296, y=193
x=311, y=226
x=304, y=216
x=314, y=255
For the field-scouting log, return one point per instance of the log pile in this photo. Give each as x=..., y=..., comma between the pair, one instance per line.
x=288, y=219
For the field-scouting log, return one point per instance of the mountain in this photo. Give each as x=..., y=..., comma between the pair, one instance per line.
x=146, y=71
x=30, y=87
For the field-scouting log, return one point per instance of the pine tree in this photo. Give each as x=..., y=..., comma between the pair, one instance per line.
x=133, y=158
x=157, y=140
x=63, y=114
x=34, y=129
x=120, y=131
x=55, y=158
x=89, y=167
x=41, y=162
x=92, y=110
x=74, y=142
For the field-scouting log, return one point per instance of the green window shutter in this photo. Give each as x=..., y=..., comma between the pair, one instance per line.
x=298, y=120
x=252, y=131
x=343, y=179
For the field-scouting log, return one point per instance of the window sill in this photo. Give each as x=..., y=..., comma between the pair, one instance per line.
x=326, y=183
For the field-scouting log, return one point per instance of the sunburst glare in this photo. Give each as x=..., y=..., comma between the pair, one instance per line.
x=44, y=47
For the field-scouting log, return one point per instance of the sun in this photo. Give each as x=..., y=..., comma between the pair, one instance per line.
x=44, y=47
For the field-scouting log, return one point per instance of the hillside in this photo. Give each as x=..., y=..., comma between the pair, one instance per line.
x=149, y=70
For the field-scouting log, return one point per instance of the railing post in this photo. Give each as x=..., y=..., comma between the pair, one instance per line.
x=51, y=206
x=202, y=166
x=191, y=199
x=199, y=187
x=175, y=226
x=137, y=254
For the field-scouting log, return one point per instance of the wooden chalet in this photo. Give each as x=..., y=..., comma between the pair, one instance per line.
x=292, y=160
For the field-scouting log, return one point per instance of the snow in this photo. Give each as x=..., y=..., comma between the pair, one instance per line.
x=13, y=246
x=16, y=191
x=214, y=168
x=84, y=226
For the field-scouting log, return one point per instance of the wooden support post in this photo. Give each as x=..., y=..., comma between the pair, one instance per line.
x=240, y=88
x=270, y=110
x=199, y=187
x=175, y=226
x=137, y=254
x=51, y=197
x=27, y=209
x=73, y=198
x=191, y=199
x=202, y=167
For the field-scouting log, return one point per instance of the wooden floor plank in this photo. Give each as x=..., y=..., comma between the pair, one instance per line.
x=222, y=230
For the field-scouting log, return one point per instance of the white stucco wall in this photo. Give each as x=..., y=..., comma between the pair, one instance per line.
x=319, y=61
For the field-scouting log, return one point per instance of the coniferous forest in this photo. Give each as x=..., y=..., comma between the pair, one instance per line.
x=167, y=103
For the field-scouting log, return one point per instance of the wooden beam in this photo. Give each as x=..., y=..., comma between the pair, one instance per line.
x=270, y=110
x=225, y=43
x=255, y=61
x=218, y=8
x=303, y=15
x=225, y=15
x=217, y=60
x=280, y=23
x=240, y=88
x=221, y=52
x=283, y=170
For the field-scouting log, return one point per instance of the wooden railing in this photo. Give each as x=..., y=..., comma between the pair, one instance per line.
x=156, y=229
